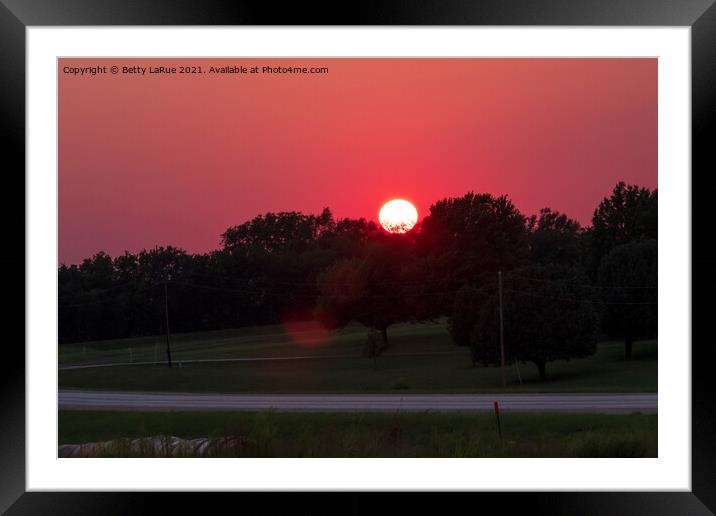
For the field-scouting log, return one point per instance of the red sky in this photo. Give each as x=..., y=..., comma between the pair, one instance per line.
x=176, y=159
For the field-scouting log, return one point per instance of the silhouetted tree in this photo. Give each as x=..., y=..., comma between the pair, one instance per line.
x=628, y=276
x=553, y=238
x=473, y=306
x=264, y=273
x=283, y=232
x=548, y=313
x=368, y=289
x=629, y=214
x=465, y=241
x=279, y=266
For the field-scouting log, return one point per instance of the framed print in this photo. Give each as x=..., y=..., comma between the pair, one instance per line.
x=433, y=249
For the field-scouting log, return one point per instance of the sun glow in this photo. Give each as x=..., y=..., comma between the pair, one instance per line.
x=398, y=216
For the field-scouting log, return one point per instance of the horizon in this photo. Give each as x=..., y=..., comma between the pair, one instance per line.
x=335, y=218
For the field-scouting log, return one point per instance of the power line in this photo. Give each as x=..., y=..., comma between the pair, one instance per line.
x=101, y=301
x=263, y=292
x=287, y=295
x=103, y=290
x=572, y=300
x=303, y=294
x=271, y=281
x=585, y=285
x=265, y=281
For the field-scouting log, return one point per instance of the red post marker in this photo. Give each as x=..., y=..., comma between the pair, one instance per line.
x=497, y=415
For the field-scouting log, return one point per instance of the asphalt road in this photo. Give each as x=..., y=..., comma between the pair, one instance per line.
x=105, y=400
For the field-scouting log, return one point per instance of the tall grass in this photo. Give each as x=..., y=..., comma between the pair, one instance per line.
x=270, y=434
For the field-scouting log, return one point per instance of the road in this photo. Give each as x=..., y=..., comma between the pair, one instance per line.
x=143, y=401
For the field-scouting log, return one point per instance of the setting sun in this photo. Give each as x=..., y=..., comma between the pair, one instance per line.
x=398, y=216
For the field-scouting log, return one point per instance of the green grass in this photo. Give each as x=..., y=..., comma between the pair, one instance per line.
x=421, y=358
x=269, y=434
x=256, y=341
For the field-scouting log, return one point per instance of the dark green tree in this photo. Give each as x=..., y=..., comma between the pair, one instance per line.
x=368, y=289
x=465, y=241
x=629, y=214
x=283, y=232
x=473, y=307
x=549, y=314
x=628, y=277
x=281, y=255
x=553, y=238
x=97, y=272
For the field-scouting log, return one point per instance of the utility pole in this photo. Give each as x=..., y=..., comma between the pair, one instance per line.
x=166, y=315
x=502, y=333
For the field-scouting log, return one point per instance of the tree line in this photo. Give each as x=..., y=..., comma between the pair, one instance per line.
x=563, y=285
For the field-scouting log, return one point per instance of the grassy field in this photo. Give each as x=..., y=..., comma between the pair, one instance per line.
x=267, y=434
x=273, y=341
x=421, y=358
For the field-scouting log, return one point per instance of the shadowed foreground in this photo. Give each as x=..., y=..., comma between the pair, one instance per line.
x=268, y=434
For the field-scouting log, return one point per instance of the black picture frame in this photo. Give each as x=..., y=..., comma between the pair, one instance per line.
x=699, y=15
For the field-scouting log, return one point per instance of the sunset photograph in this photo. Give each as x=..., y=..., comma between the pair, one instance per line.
x=357, y=257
